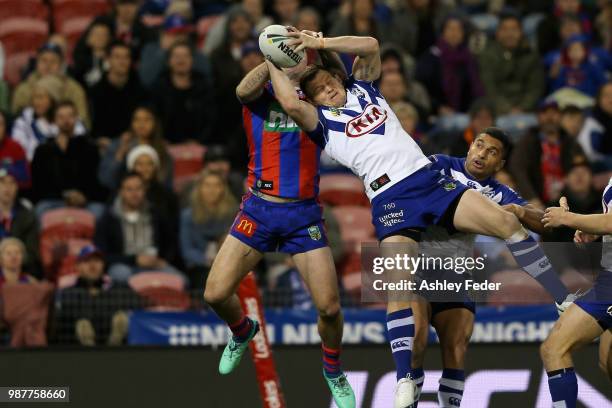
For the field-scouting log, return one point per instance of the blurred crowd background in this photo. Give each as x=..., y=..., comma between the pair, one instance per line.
x=123, y=157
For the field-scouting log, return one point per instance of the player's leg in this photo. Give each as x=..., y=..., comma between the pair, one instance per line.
x=477, y=214
x=319, y=274
x=605, y=353
x=574, y=329
x=421, y=311
x=234, y=260
x=400, y=321
x=454, y=327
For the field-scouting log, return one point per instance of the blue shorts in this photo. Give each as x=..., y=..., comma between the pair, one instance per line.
x=414, y=203
x=284, y=227
x=598, y=301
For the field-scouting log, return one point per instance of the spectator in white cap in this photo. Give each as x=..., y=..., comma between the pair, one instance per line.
x=144, y=160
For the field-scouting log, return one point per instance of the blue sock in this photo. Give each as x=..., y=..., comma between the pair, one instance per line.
x=418, y=375
x=532, y=259
x=400, y=329
x=451, y=386
x=563, y=387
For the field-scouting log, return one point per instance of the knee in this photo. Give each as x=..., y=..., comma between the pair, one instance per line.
x=215, y=294
x=507, y=224
x=454, y=351
x=329, y=309
x=550, y=349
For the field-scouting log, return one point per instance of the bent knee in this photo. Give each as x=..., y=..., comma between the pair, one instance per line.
x=507, y=224
x=330, y=309
x=551, y=349
x=215, y=294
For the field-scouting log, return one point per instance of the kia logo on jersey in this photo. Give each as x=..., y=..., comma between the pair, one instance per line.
x=372, y=117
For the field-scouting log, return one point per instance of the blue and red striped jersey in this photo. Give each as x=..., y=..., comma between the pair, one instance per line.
x=283, y=161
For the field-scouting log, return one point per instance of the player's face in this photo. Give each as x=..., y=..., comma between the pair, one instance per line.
x=485, y=157
x=326, y=90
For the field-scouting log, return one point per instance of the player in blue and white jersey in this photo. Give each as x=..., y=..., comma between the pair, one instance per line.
x=452, y=315
x=588, y=318
x=354, y=124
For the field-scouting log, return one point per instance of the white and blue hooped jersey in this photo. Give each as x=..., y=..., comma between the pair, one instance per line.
x=436, y=241
x=606, y=248
x=366, y=136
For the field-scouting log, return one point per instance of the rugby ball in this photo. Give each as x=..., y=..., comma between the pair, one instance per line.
x=273, y=45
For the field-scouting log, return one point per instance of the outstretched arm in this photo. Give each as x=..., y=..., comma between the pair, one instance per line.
x=303, y=113
x=367, y=64
x=251, y=86
x=596, y=224
x=528, y=215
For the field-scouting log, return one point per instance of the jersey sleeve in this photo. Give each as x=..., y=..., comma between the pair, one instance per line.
x=320, y=135
x=440, y=162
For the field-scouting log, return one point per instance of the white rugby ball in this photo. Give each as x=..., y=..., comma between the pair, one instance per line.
x=273, y=44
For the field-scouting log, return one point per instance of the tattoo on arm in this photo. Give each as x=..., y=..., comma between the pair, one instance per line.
x=252, y=84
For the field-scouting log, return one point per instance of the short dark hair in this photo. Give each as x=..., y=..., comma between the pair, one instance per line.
x=501, y=135
x=117, y=44
x=66, y=103
x=129, y=175
x=509, y=13
x=481, y=104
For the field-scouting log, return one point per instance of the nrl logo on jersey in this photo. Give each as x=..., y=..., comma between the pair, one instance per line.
x=372, y=117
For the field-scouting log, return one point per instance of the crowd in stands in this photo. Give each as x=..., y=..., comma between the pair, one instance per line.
x=108, y=117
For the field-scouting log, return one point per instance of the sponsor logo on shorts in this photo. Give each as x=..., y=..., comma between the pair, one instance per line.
x=314, y=232
x=392, y=218
x=245, y=226
x=609, y=311
x=372, y=117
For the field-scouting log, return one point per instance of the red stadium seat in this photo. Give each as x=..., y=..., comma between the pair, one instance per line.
x=203, y=27
x=355, y=226
x=66, y=10
x=16, y=42
x=342, y=189
x=63, y=232
x=23, y=25
x=23, y=8
x=162, y=291
x=14, y=66
x=188, y=162
x=517, y=288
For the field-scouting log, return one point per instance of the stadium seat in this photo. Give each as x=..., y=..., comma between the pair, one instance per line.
x=517, y=288
x=66, y=10
x=162, y=291
x=203, y=27
x=14, y=66
x=15, y=42
x=23, y=8
x=22, y=25
x=355, y=226
x=188, y=162
x=59, y=228
x=342, y=189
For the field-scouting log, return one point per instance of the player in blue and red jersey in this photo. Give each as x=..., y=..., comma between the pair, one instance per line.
x=279, y=213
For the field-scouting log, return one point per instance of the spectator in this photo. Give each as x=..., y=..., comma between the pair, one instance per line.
x=49, y=61
x=145, y=129
x=91, y=310
x=35, y=124
x=427, y=17
x=217, y=160
x=603, y=24
x=449, y=71
x=124, y=26
x=395, y=89
x=227, y=72
x=549, y=28
x=582, y=198
x=205, y=223
x=155, y=54
x=254, y=8
x=144, y=160
x=543, y=157
x=18, y=220
x=115, y=96
x=12, y=254
x=409, y=118
x=307, y=18
x=64, y=168
x=511, y=72
x=132, y=234
x=596, y=134
x=285, y=11
x=183, y=98
x=12, y=156
x=576, y=70
x=572, y=121
x=88, y=65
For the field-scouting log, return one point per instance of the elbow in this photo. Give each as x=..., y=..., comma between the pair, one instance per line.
x=373, y=45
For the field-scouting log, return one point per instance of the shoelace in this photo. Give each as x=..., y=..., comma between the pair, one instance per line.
x=342, y=385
